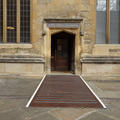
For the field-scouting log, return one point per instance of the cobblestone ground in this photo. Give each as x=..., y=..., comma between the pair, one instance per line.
x=15, y=92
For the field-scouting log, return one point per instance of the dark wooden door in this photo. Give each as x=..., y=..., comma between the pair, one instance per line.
x=60, y=55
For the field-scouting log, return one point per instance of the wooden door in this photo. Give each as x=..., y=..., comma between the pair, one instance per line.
x=60, y=55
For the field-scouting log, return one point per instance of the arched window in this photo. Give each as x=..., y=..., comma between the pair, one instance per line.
x=108, y=22
x=14, y=21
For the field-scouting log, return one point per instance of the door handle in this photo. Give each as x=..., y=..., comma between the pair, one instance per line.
x=55, y=54
x=52, y=57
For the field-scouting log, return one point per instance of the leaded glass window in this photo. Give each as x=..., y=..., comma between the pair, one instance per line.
x=15, y=21
x=114, y=21
x=101, y=22
x=25, y=20
x=11, y=21
x=1, y=21
x=108, y=22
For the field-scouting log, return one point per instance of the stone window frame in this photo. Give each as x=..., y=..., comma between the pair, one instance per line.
x=17, y=23
x=107, y=36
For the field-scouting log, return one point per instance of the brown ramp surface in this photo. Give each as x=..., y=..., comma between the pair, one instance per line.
x=64, y=91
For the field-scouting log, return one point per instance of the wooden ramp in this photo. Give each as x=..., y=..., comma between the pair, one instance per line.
x=64, y=91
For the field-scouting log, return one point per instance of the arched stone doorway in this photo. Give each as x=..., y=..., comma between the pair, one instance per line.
x=63, y=52
x=67, y=27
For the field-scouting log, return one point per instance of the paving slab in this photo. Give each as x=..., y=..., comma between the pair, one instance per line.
x=17, y=87
x=113, y=110
x=106, y=89
x=71, y=113
x=96, y=116
x=45, y=116
x=11, y=115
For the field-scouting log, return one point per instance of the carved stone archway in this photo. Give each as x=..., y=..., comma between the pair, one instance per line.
x=53, y=26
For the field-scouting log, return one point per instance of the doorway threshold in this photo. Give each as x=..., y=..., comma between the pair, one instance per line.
x=62, y=73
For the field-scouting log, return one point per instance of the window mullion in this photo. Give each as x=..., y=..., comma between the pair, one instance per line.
x=4, y=21
x=18, y=21
x=107, y=21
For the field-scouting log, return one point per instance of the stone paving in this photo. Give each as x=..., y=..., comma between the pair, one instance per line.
x=15, y=92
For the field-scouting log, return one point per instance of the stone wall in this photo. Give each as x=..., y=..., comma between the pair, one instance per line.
x=101, y=66
x=23, y=69
x=59, y=9
x=42, y=9
x=46, y=9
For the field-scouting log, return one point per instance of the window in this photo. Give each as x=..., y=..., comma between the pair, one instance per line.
x=101, y=22
x=114, y=21
x=11, y=21
x=1, y=21
x=25, y=20
x=108, y=22
x=14, y=21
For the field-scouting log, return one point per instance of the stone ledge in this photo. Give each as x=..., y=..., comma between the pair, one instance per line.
x=15, y=45
x=101, y=59
x=21, y=59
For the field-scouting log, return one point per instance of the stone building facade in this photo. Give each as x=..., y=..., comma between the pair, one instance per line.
x=57, y=20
